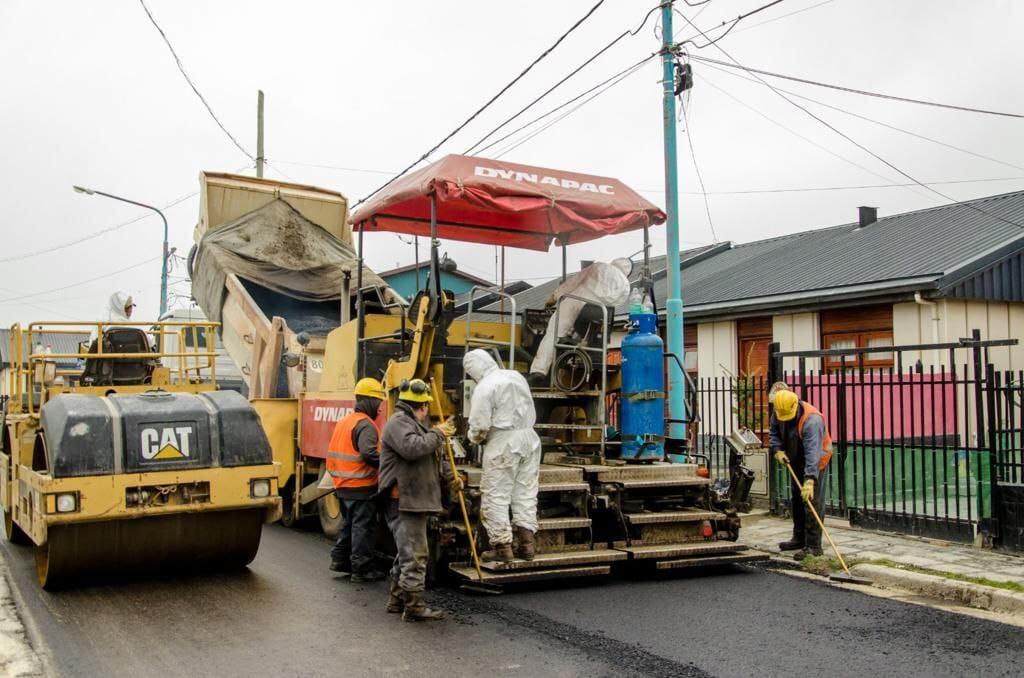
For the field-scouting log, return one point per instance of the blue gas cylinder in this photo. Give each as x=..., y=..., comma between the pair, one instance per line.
x=642, y=415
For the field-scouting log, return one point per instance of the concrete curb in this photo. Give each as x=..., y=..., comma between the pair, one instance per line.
x=950, y=590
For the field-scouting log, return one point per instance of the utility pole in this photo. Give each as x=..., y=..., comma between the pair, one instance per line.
x=259, y=133
x=674, y=303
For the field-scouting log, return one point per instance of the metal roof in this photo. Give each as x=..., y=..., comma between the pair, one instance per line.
x=60, y=343
x=969, y=249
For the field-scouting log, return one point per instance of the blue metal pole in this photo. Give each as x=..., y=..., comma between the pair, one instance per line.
x=674, y=303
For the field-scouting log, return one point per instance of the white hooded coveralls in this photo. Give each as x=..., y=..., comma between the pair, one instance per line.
x=600, y=283
x=502, y=413
x=115, y=308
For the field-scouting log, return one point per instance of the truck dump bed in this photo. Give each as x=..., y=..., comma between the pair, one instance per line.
x=266, y=269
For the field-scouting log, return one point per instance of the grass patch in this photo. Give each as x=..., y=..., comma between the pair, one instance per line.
x=825, y=565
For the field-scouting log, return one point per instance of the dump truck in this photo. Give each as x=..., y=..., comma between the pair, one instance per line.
x=121, y=460
x=599, y=511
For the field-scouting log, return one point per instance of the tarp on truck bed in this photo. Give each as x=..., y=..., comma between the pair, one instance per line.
x=279, y=249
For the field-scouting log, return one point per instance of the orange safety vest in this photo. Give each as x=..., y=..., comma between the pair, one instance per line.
x=346, y=466
x=826, y=442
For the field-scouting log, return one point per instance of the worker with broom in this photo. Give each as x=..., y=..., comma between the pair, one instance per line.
x=411, y=469
x=800, y=438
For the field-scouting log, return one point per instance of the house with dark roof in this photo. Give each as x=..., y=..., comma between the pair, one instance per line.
x=57, y=342
x=921, y=277
x=407, y=280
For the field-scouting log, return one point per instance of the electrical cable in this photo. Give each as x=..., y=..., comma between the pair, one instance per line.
x=618, y=78
x=733, y=74
x=558, y=84
x=814, y=189
x=783, y=16
x=851, y=90
x=80, y=282
x=732, y=25
x=566, y=103
x=334, y=167
x=102, y=231
x=191, y=84
x=700, y=178
x=858, y=144
x=486, y=105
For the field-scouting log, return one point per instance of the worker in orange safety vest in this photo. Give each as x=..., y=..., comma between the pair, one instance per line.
x=353, y=457
x=800, y=437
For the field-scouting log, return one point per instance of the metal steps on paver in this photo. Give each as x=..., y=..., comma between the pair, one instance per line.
x=571, y=523
x=666, y=551
x=559, y=559
x=745, y=556
x=660, y=517
x=552, y=478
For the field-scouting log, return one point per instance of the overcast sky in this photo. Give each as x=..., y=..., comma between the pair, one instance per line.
x=92, y=96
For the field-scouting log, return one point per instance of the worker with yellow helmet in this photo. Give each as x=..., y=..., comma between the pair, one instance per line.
x=411, y=471
x=353, y=457
x=800, y=437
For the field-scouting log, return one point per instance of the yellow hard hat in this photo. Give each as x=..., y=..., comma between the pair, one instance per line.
x=415, y=391
x=370, y=387
x=786, y=404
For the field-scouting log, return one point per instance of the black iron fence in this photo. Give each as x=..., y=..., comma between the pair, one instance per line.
x=934, y=450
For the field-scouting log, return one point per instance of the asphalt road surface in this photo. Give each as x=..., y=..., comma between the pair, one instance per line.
x=287, y=616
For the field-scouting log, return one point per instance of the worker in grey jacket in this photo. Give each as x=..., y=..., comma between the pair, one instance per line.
x=412, y=466
x=799, y=437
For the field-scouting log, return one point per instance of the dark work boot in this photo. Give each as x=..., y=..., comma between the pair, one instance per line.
x=368, y=576
x=807, y=552
x=416, y=608
x=536, y=379
x=793, y=544
x=341, y=567
x=501, y=553
x=525, y=546
x=396, y=603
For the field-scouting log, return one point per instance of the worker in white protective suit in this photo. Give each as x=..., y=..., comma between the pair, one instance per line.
x=600, y=283
x=120, y=307
x=501, y=416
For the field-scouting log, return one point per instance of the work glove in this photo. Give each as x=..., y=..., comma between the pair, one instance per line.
x=550, y=302
x=446, y=428
x=455, y=484
x=781, y=457
x=807, y=491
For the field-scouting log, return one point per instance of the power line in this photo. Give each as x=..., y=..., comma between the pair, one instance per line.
x=334, y=167
x=732, y=25
x=191, y=84
x=814, y=189
x=851, y=90
x=528, y=137
x=558, y=84
x=733, y=74
x=700, y=179
x=486, y=105
x=861, y=146
x=783, y=16
x=80, y=282
x=566, y=103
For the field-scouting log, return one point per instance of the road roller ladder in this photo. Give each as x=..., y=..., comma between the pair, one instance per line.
x=118, y=458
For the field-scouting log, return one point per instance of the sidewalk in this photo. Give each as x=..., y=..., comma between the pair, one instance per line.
x=17, y=658
x=950, y=571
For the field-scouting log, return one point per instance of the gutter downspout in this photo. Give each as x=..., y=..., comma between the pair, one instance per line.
x=921, y=301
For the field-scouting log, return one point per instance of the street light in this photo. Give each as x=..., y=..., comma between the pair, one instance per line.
x=163, y=270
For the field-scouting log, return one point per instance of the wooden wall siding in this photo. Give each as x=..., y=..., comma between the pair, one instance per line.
x=857, y=319
x=754, y=328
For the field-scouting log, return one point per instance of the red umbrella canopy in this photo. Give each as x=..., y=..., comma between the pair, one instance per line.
x=502, y=203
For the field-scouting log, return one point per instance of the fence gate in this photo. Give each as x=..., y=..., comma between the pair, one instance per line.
x=933, y=451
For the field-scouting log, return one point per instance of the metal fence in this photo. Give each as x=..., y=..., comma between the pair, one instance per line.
x=936, y=451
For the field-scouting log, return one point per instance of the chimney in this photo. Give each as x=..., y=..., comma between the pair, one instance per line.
x=867, y=216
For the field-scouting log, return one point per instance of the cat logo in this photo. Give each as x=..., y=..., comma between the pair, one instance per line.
x=171, y=442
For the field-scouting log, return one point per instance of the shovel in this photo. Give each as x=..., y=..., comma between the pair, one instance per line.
x=480, y=586
x=845, y=576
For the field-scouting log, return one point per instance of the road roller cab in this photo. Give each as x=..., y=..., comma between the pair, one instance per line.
x=128, y=460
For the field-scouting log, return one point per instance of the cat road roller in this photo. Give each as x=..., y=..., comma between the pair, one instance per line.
x=122, y=460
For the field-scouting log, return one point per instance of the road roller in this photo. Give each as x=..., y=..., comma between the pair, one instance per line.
x=120, y=459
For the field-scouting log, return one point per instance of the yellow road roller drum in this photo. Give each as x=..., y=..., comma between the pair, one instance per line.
x=144, y=483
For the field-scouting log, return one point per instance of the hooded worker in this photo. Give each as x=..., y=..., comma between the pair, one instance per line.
x=600, y=283
x=411, y=469
x=119, y=308
x=799, y=437
x=353, y=457
x=501, y=415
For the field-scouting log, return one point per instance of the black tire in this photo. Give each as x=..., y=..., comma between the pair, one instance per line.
x=329, y=509
x=14, y=534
